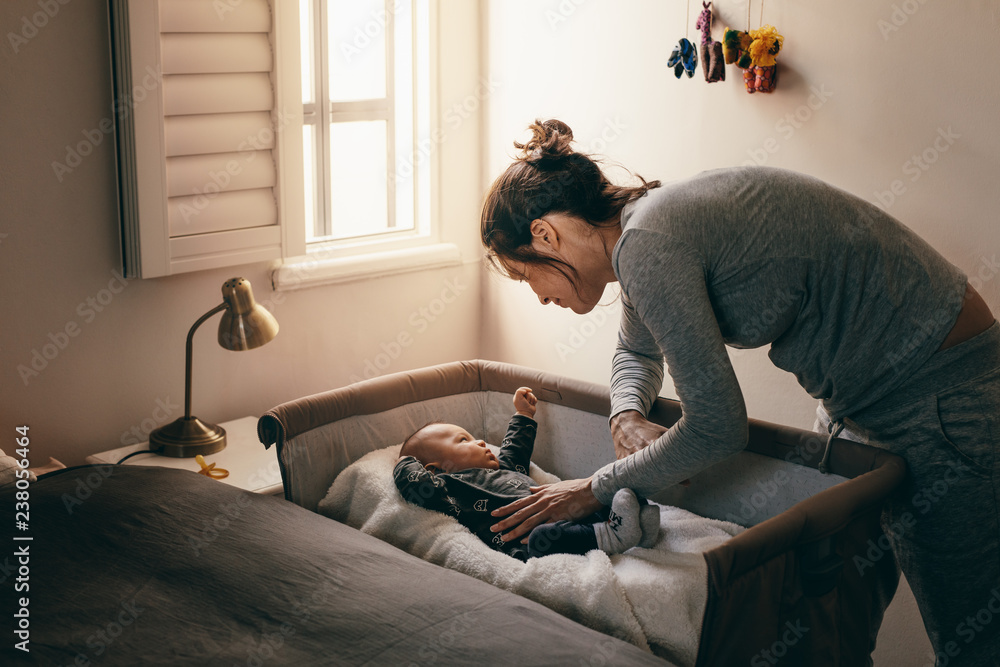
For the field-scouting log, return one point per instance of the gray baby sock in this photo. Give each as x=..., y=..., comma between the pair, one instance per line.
x=621, y=531
x=649, y=521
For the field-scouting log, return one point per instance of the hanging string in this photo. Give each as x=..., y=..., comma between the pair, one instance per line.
x=749, y=2
x=687, y=19
x=761, y=13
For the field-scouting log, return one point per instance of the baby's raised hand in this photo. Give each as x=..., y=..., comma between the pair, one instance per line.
x=524, y=402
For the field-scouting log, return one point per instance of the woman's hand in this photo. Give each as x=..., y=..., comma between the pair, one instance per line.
x=632, y=432
x=569, y=500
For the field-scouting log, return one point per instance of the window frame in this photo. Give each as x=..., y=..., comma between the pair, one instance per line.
x=335, y=261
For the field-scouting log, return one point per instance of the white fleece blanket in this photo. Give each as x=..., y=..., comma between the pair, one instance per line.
x=654, y=598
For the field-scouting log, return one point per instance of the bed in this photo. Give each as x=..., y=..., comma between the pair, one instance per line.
x=799, y=585
x=157, y=566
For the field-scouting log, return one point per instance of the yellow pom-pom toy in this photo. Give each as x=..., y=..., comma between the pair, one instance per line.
x=761, y=73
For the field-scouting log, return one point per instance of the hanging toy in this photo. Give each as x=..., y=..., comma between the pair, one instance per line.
x=711, y=51
x=684, y=57
x=763, y=68
x=734, y=47
x=753, y=51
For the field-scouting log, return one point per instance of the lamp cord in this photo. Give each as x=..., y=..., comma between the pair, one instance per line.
x=141, y=451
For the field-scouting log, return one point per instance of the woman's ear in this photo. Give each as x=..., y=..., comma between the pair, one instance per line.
x=544, y=235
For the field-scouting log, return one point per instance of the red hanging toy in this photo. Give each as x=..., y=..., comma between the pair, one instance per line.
x=712, y=63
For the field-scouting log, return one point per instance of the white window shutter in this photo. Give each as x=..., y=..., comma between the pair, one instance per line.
x=209, y=129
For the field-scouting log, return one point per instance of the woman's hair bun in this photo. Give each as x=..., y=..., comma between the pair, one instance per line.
x=549, y=143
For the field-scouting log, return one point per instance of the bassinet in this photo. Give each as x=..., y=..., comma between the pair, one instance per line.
x=806, y=584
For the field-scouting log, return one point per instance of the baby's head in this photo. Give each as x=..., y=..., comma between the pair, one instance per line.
x=449, y=448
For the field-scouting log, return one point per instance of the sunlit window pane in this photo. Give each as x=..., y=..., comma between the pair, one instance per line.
x=359, y=193
x=426, y=146
x=407, y=159
x=309, y=174
x=356, y=33
x=306, y=41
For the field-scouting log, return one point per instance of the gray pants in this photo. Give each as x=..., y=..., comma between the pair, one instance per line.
x=944, y=523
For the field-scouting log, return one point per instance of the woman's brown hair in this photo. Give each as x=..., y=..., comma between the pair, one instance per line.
x=548, y=177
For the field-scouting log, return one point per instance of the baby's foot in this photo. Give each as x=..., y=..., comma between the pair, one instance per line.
x=622, y=530
x=649, y=521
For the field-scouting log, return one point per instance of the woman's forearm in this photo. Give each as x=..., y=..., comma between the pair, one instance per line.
x=636, y=380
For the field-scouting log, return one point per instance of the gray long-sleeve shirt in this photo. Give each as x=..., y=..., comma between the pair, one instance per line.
x=849, y=299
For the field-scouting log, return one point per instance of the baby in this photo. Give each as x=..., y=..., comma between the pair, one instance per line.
x=442, y=467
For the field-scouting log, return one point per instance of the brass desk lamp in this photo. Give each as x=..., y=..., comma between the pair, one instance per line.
x=244, y=326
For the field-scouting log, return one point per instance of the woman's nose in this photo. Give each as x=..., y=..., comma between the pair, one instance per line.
x=545, y=300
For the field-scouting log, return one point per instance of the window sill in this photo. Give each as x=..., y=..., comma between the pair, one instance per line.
x=303, y=272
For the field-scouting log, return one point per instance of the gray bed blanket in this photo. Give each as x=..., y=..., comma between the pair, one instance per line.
x=156, y=566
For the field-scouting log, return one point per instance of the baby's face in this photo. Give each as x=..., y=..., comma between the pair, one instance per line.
x=452, y=448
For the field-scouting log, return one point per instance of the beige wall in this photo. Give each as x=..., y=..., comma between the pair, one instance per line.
x=117, y=366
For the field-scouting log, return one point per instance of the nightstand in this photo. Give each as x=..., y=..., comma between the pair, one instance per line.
x=250, y=466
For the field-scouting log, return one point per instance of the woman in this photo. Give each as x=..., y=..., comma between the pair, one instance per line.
x=871, y=320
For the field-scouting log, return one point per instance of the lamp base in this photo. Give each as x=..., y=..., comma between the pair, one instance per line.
x=187, y=437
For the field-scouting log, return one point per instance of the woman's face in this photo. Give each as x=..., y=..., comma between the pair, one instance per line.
x=572, y=241
x=552, y=286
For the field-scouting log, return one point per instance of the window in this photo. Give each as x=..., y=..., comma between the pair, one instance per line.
x=235, y=115
x=365, y=110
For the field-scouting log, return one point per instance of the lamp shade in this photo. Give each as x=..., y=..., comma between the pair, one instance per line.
x=245, y=324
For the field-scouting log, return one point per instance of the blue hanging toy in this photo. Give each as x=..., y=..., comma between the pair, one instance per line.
x=684, y=57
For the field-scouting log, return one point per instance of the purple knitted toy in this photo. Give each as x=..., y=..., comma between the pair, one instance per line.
x=712, y=62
